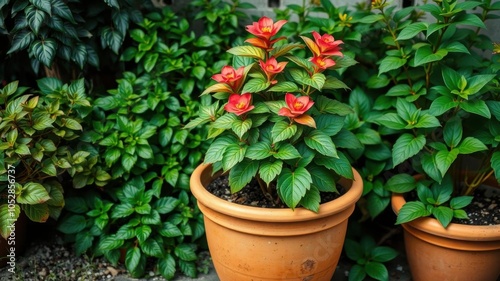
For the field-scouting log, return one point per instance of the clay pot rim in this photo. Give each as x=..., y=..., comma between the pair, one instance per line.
x=454, y=230
x=202, y=174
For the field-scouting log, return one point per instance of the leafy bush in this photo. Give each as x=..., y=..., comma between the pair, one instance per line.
x=147, y=213
x=64, y=37
x=36, y=128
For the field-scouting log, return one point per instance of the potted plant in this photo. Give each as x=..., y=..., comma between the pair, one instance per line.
x=277, y=128
x=440, y=113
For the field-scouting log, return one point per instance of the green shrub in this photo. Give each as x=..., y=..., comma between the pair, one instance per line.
x=37, y=129
x=147, y=213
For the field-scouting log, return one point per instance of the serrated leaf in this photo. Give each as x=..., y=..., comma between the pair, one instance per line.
x=407, y=146
x=241, y=174
x=292, y=186
x=322, y=143
x=282, y=131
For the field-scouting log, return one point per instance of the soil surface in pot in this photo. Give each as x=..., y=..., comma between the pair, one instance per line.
x=252, y=195
x=484, y=209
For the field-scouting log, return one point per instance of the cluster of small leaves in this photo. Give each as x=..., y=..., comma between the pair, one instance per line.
x=138, y=229
x=69, y=31
x=369, y=259
x=434, y=198
x=36, y=128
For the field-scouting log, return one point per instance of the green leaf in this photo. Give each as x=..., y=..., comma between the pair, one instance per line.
x=407, y=146
x=371, y=18
x=72, y=224
x=340, y=165
x=167, y=267
x=470, y=145
x=292, y=186
x=425, y=55
x=8, y=214
x=258, y=151
x=44, y=51
x=283, y=131
x=21, y=40
x=152, y=248
x=400, y=183
x=323, y=179
x=255, y=85
x=240, y=127
x=495, y=163
x=150, y=61
x=390, y=63
x=376, y=270
x=411, y=30
x=444, y=159
x=427, y=121
x=286, y=86
x=460, y=202
x=383, y=254
x=391, y=121
x=248, y=51
x=132, y=258
x=143, y=232
x=453, y=131
x=443, y=214
x=412, y=210
x=110, y=243
x=169, y=229
x=233, y=154
x=185, y=252
x=316, y=81
x=83, y=242
x=441, y=105
x=357, y=273
x=322, y=143
x=268, y=171
x=33, y=193
x=241, y=174
x=42, y=122
x=478, y=107
x=35, y=18
x=165, y=205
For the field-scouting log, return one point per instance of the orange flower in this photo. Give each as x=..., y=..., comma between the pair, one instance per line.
x=272, y=67
x=297, y=108
x=322, y=63
x=328, y=46
x=265, y=28
x=232, y=77
x=239, y=104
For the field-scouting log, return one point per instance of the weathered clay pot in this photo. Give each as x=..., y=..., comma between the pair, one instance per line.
x=253, y=243
x=459, y=252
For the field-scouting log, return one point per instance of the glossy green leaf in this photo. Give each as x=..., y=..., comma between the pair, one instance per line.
x=444, y=159
x=44, y=51
x=401, y=183
x=425, y=55
x=411, y=30
x=376, y=270
x=412, y=210
x=443, y=214
x=407, y=146
x=241, y=174
x=322, y=143
x=292, y=185
x=268, y=171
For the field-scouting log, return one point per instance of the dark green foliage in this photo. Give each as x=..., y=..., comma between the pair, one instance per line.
x=146, y=215
x=63, y=36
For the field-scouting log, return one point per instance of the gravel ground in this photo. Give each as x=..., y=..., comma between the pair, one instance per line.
x=48, y=258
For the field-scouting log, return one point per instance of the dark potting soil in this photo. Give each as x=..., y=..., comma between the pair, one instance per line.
x=484, y=209
x=252, y=195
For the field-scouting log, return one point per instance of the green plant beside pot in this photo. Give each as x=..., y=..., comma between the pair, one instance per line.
x=272, y=122
x=35, y=129
x=439, y=111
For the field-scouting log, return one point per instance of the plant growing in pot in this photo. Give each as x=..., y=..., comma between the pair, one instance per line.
x=275, y=130
x=441, y=113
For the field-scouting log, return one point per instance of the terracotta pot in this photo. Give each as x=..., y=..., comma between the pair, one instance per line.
x=253, y=243
x=459, y=252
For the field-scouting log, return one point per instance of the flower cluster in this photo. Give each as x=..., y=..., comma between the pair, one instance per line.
x=277, y=122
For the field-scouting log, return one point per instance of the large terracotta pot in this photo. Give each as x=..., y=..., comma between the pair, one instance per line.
x=253, y=243
x=459, y=252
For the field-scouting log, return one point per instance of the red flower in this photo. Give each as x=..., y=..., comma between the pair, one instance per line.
x=272, y=67
x=297, y=108
x=322, y=63
x=265, y=28
x=328, y=46
x=239, y=104
x=232, y=77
